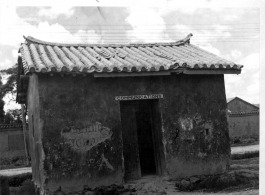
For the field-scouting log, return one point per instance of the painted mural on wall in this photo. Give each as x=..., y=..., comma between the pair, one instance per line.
x=83, y=139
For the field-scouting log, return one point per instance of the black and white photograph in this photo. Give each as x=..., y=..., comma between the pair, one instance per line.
x=131, y=98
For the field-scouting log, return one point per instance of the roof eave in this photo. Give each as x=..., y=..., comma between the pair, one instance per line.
x=148, y=73
x=212, y=71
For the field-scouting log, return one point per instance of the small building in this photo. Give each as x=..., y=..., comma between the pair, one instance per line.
x=243, y=118
x=12, y=146
x=100, y=114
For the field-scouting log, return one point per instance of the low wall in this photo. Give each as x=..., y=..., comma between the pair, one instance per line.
x=243, y=124
x=12, y=148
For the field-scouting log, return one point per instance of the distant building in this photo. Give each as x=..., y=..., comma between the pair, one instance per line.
x=12, y=146
x=243, y=118
x=100, y=114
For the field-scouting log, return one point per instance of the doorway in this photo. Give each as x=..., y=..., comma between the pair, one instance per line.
x=141, y=130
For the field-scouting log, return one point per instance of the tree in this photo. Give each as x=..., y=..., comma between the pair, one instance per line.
x=2, y=103
x=13, y=116
x=2, y=112
x=10, y=89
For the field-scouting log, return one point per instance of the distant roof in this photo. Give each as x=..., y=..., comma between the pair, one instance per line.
x=41, y=56
x=228, y=100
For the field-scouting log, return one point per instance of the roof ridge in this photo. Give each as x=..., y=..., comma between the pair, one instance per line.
x=186, y=40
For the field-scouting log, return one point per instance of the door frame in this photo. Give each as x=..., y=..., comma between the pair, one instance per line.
x=157, y=134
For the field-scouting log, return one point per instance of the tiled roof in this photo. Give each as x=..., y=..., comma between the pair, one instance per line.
x=11, y=126
x=40, y=56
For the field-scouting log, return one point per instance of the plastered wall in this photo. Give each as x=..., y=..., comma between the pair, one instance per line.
x=81, y=135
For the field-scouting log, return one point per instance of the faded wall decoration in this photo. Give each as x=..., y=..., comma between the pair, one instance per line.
x=83, y=139
x=186, y=124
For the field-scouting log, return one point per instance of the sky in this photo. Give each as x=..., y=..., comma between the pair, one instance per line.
x=231, y=32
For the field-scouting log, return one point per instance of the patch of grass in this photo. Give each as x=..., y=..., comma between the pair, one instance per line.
x=245, y=155
x=16, y=180
x=222, y=182
x=243, y=173
x=246, y=161
x=248, y=167
x=244, y=140
x=27, y=188
x=216, y=183
x=4, y=189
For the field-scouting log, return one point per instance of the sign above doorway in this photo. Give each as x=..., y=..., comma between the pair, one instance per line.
x=139, y=97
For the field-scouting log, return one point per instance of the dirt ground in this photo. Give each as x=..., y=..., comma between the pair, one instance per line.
x=248, y=168
x=154, y=185
x=239, y=192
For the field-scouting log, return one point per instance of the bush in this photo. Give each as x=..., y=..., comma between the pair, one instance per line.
x=244, y=140
x=16, y=180
x=4, y=188
x=216, y=182
x=27, y=188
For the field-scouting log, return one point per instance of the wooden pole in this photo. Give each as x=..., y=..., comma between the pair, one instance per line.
x=25, y=132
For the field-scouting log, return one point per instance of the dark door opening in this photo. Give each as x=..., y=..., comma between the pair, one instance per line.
x=145, y=138
x=141, y=128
